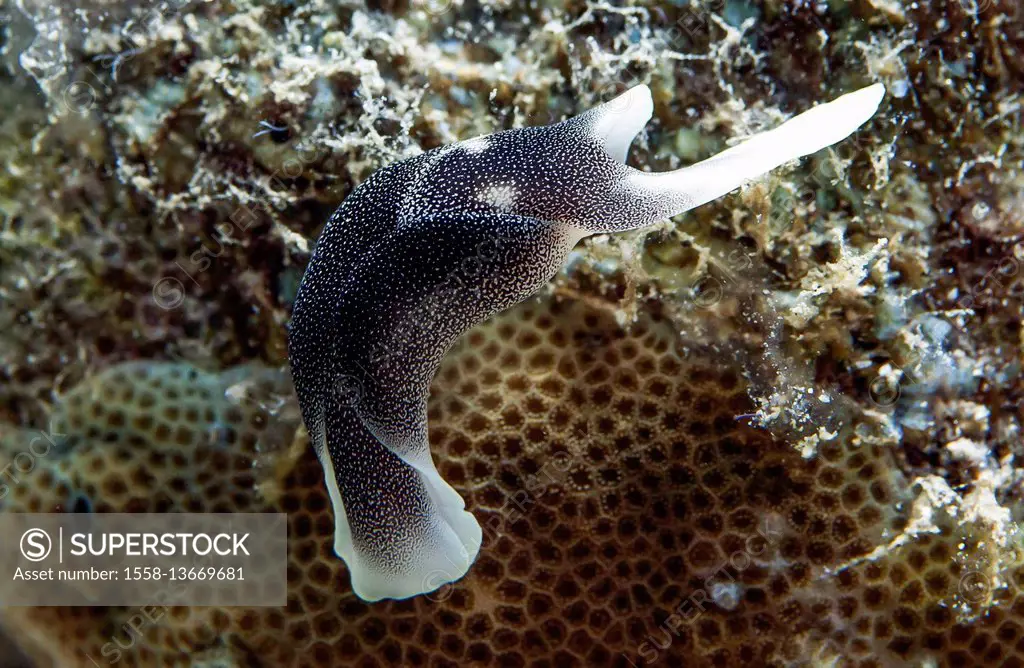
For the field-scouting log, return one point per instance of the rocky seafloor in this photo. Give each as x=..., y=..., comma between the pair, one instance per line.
x=781, y=429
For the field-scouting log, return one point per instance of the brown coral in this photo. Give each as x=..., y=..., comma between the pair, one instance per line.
x=629, y=517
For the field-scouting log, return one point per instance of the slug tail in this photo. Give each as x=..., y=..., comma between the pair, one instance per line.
x=641, y=198
x=401, y=529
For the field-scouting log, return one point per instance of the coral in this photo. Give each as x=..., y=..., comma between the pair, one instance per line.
x=628, y=516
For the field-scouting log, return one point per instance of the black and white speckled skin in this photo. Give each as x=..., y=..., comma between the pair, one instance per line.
x=418, y=254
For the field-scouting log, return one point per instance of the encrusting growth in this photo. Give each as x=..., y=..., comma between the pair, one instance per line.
x=430, y=246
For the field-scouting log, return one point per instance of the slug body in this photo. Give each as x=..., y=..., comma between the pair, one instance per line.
x=428, y=247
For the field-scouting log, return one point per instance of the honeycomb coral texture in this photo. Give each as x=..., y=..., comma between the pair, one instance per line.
x=630, y=518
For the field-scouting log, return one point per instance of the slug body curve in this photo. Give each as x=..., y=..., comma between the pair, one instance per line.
x=426, y=248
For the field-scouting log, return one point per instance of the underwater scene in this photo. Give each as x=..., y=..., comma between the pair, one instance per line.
x=534, y=334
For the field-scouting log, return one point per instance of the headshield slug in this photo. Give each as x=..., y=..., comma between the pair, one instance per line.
x=426, y=248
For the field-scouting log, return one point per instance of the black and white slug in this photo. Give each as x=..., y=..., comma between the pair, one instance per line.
x=428, y=247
